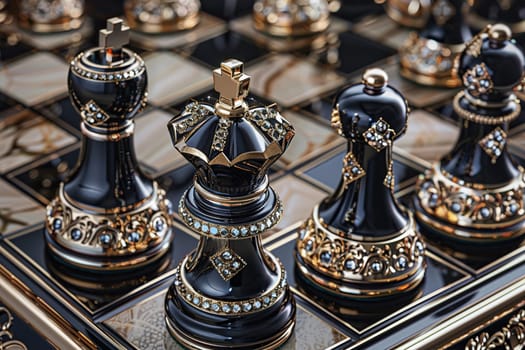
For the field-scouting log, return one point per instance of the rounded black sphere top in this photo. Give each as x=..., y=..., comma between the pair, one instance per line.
x=360, y=106
x=492, y=64
x=107, y=84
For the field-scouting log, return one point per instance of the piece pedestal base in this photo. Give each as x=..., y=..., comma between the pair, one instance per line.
x=197, y=329
x=97, y=239
x=353, y=266
x=464, y=213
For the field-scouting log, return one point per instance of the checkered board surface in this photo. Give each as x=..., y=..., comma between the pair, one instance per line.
x=40, y=142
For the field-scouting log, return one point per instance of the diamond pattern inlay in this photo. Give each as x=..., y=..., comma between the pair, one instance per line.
x=379, y=135
x=227, y=263
x=493, y=143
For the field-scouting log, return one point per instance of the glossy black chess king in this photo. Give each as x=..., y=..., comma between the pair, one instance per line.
x=230, y=292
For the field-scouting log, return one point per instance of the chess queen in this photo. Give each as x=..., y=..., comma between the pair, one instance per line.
x=358, y=242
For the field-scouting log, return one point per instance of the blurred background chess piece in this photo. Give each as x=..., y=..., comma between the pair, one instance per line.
x=49, y=16
x=162, y=16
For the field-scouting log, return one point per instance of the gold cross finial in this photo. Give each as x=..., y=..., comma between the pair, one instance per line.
x=232, y=85
x=113, y=38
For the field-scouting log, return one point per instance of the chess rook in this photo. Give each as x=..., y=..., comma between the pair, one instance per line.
x=108, y=215
x=475, y=193
x=358, y=242
x=428, y=57
x=230, y=292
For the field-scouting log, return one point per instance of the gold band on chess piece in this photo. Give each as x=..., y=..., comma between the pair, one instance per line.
x=457, y=208
x=428, y=62
x=484, y=119
x=359, y=267
x=141, y=232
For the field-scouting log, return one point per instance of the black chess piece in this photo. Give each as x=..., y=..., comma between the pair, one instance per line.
x=359, y=243
x=428, y=57
x=108, y=215
x=509, y=12
x=230, y=292
x=475, y=193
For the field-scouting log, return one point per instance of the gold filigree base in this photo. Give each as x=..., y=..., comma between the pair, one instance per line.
x=105, y=239
x=428, y=62
x=467, y=212
x=195, y=344
x=358, y=267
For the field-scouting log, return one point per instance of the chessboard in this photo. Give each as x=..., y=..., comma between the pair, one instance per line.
x=462, y=300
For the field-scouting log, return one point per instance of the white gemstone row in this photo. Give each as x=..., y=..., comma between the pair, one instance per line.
x=221, y=307
x=108, y=76
x=230, y=232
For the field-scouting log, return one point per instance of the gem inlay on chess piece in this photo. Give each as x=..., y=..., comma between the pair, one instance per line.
x=428, y=57
x=162, y=16
x=108, y=215
x=291, y=17
x=230, y=292
x=475, y=193
x=50, y=16
x=359, y=242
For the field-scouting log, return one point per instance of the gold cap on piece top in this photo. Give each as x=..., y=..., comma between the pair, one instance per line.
x=375, y=78
x=232, y=85
x=162, y=16
x=499, y=32
x=291, y=17
x=50, y=16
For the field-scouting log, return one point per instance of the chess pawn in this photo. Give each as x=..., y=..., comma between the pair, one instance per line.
x=50, y=16
x=358, y=242
x=162, y=16
x=408, y=13
x=291, y=17
x=428, y=57
x=509, y=12
x=475, y=193
x=108, y=215
x=230, y=292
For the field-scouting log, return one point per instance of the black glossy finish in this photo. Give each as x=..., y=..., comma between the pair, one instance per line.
x=454, y=30
x=107, y=173
x=367, y=203
x=248, y=142
x=227, y=332
x=505, y=63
